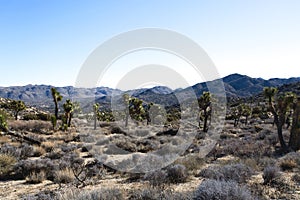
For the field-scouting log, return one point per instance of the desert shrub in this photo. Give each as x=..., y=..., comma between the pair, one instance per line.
x=42, y=195
x=191, y=162
x=30, y=116
x=48, y=145
x=233, y=172
x=296, y=178
x=25, y=150
x=64, y=176
x=287, y=164
x=150, y=193
x=214, y=189
x=156, y=178
x=6, y=164
x=125, y=145
x=244, y=148
x=68, y=147
x=177, y=174
x=36, y=177
x=31, y=125
x=10, y=150
x=96, y=194
x=270, y=173
x=38, y=151
x=21, y=152
x=266, y=161
x=25, y=167
x=55, y=154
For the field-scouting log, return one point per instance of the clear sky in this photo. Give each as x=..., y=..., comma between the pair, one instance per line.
x=47, y=41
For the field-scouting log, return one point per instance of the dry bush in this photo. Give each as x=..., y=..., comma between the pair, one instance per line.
x=296, y=178
x=36, y=177
x=177, y=174
x=96, y=194
x=64, y=176
x=288, y=164
x=38, y=151
x=157, y=178
x=233, y=172
x=6, y=164
x=156, y=193
x=214, y=189
x=31, y=125
x=191, y=162
x=26, y=167
x=271, y=173
x=48, y=145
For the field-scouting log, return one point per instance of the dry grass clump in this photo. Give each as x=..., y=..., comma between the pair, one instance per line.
x=64, y=176
x=38, y=151
x=36, y=177
x=48, y=145
x=32, y=125
x=271, y=173
x=6, y=164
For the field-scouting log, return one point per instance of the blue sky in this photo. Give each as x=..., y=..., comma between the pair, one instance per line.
x=46, y=42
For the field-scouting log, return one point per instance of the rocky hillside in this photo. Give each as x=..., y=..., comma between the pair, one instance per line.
x=236, y=85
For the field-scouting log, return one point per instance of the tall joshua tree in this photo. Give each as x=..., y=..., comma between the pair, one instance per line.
x=96, y=110
x=68, y=108
x=279, y=110
x=294, y=142
x=126, y=99
x=16, y=107
x=204, y=104
x=56, y=98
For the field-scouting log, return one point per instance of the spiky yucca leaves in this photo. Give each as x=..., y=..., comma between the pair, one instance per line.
x=126, y=99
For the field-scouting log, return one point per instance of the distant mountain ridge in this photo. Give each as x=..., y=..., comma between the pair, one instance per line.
x=236, y=85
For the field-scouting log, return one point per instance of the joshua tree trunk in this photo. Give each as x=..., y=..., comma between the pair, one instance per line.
x=279, y=123
x=95, y=119
x=69, y=119
x=205, y=129
x=294, y=142
x=56, y=110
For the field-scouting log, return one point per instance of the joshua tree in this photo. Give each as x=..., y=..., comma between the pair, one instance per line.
x=69, y=109
x=204, y=104
x=3, y=124
x=246, y=113
x=96, y=110
x=136, y=109
x=56, y=98
x=279, y=111
x=126, y=100
x=16, y=107
x=294, y=142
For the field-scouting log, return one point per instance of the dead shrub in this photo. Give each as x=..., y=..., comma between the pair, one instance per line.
x=36, y=177
x=6, y=164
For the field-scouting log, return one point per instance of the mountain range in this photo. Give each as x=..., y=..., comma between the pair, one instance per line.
x=236, y=85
